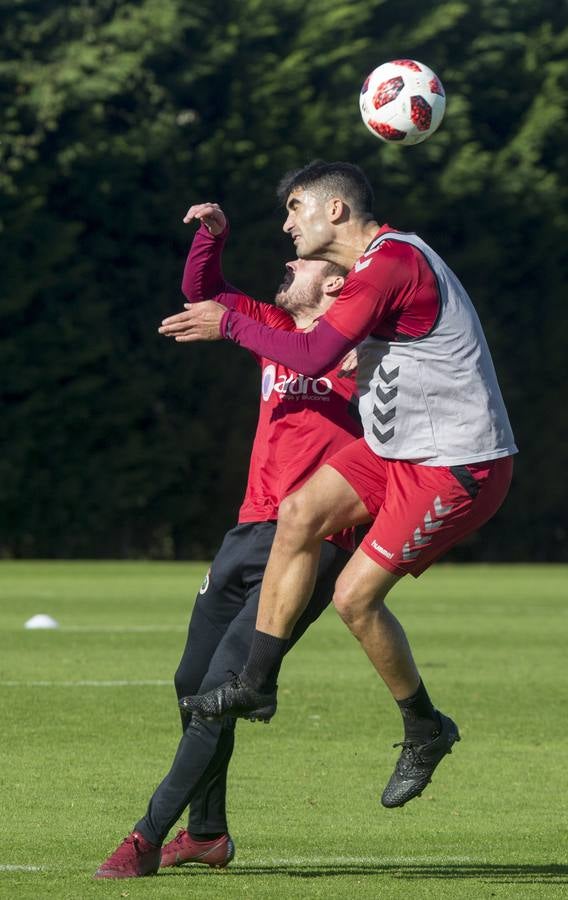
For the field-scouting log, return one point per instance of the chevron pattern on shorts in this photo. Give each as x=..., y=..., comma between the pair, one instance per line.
x=421, y=540
x=441, y=510
x=408, y=554
x=431, y=524
x=422, y=534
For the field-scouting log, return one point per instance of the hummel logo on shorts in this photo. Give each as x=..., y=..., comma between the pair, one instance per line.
x=382, y=550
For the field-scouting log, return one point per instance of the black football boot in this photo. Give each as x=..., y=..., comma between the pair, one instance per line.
x=417, y=762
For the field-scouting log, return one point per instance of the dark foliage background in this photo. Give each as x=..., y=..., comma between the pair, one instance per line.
x=116, y=116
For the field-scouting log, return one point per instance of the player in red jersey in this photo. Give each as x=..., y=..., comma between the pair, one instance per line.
x=302, y=421
x=434, y=464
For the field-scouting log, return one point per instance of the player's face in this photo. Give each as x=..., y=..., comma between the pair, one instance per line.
x=307, y=222
x=302, y=287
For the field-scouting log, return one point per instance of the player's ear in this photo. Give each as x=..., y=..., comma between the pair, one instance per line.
x=336, y=210
x=334, y=285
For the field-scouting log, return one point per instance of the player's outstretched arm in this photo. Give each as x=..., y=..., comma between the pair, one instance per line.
x=203, y=277
x=312, y=353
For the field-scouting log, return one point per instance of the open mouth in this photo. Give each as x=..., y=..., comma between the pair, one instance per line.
x=286, y=281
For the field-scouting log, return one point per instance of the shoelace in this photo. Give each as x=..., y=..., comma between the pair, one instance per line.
x=409, y=756
x=234, y=682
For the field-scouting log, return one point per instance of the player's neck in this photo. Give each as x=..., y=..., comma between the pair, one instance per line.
x=350, y=243
x=306, y=319
x=305, y=322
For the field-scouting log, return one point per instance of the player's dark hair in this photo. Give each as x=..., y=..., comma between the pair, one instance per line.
x=335, y=179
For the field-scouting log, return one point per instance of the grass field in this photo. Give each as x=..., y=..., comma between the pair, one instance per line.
x=84, y=742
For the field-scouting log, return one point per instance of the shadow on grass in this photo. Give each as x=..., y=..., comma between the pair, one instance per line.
x=505, y=874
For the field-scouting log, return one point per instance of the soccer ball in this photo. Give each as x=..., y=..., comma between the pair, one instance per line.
x=402, y=102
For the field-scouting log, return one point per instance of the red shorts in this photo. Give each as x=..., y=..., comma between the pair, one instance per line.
x=420, y=511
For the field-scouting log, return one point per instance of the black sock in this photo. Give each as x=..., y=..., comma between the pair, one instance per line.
x=206, y=837
x=265, y=657
x=420, y=718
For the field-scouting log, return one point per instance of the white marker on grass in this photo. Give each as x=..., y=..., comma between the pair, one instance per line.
x=41, y=621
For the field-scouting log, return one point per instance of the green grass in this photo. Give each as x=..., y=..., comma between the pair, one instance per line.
x=79, y=763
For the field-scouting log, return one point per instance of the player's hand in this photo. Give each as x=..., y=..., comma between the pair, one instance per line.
x=200, y=322
x=210, y=214
x=348, y=364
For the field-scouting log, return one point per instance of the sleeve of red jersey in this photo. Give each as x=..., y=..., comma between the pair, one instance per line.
x=203, y=279
x=203, y=274
x=265, y=313
x=379, y=282
x=312, y=353
x=358, y=310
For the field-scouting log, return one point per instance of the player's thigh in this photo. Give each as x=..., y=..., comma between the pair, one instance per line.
x=348, y=490
x=324, y=505
x=220, y=599
x=232, y=648
x=203, y=637
x=223, y=594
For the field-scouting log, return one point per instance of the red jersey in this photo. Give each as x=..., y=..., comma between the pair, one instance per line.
x=425, y=370
x=392, y=293
x=302, y=420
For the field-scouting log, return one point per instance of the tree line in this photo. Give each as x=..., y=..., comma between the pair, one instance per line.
x=116, y=116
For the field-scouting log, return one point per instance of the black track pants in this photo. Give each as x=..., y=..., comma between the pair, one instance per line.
x=219, y=637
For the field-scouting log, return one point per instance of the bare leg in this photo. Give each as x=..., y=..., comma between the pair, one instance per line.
x=324, y=505
x=359, y=599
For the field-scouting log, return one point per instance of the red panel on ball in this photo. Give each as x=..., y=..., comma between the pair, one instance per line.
x=365, y=84
x=387, y=91
x=408, y=63
x=420, y=113
x=387, y=132
x=436, y=86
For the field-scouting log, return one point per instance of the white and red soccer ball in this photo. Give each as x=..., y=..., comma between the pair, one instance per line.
x=402, y=102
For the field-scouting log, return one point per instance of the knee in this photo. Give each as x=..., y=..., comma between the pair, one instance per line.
x=186, y=678
x=296, y=519
x=354, y=604
x=347, y=603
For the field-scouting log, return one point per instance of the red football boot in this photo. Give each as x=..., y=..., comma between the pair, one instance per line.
x=135, y=857
x=183, y=849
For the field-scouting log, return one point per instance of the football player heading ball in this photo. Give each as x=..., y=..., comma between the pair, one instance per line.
x=434, y=465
